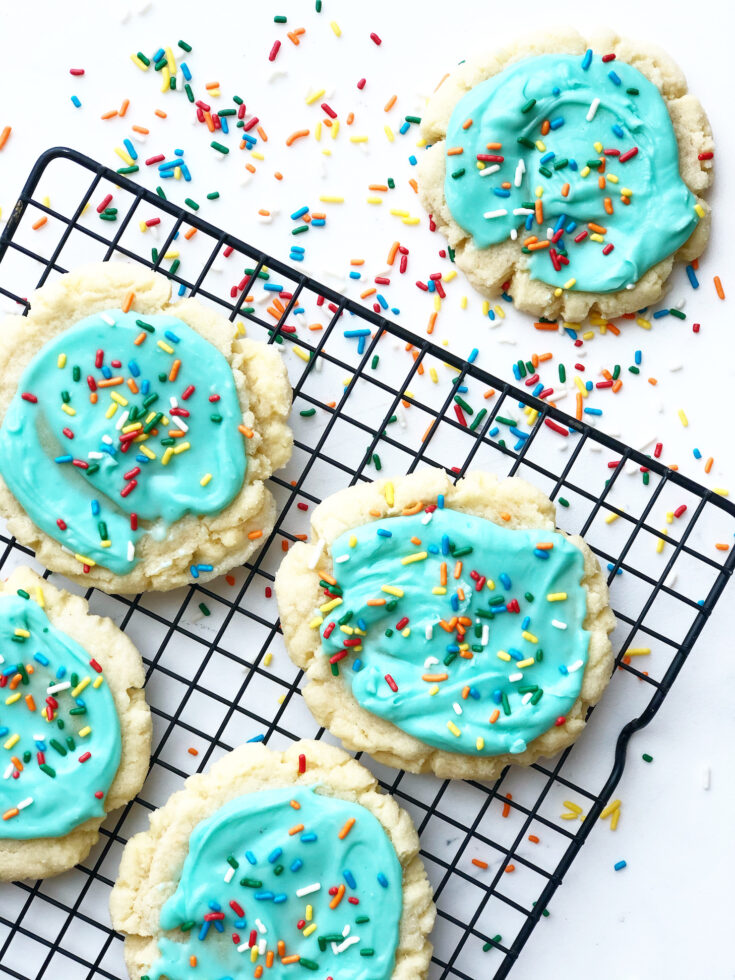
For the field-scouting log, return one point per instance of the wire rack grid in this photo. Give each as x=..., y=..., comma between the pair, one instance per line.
x=217, y=671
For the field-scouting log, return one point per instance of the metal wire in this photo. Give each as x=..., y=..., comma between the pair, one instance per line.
x=217, y=679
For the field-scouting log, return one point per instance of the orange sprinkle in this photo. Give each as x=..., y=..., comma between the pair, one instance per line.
x=539, y=208
x=545, y=545
x=489, y=393
x=9, y=814
x=432, y=322
x=111, y=382
x=248, y=433
x=161, y=114
x=495, y=146
x=546, y=326
x=426, y=434
x=392, y=253
x=296, y=136
x=376, y=602
x=252, y=535
x=350, y=118
x=209, y=121
x=413, y=185
x=192, y=751
x=537, y=246
x=602, y=184
x=608, y=205
x=466, y=124
x=141, y=129
x=414, y=539
x=442, y=82
x=342, y=834
x=290, y=959
x=506, y=806
x=458, y=569
x=124, y=106
x=278, y=175
x=718, y=287
x=653, y=381
x=443, y=573
x=596, y=228
x=617, y=385
x=296, y=829
x=565, y=190
x=708, y=465
x=284, y=545
x=269, y=957
x=413, y=509
x=578, y=413
x=258, y=971
x=338, y=897
x=465, y=693
x=328, y=578
x=390, y=103
x=132, y=385
x=109, y=115
x=480, y=864
x=281, y=947
x=455, y=151
x=505, y=515
x=128, y=302
x=40, y=223
x=5, y=135
x=15, y=681
x=262, y=133
x=533, y=838
x=613, y=329
x=494, y=716
x=295, y=804
x=188, y=235
x=434, y=678
x=510, y=869
x=545, y=357
x=93, y=397
x=31, y=704
x=722, y=547
x=545, y=127
x=368, y=292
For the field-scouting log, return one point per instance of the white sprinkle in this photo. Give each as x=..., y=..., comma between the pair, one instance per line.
x=430, y=661
x=341, y=559
x=490, y=170
x=515, y=677
x=131, y=550
x=526, y=698
x=457, y=708
x=122, y=420
x=345, y=945
x=261, y=928
x=346, y=930
x=706, y=777
x=592, y=110
x=316, y=554
x=575, y=666
x=429, y=634
x=262, y=946
x=308, y=889
x=485, y=635
x=514, y=233
x=558, y=623
x=520, y=171
x=522, y=211
x=500, y=213
x=107, y=439
x=426, y=519
x=9, y=771
x=58, y=687
x=173, y=401
x=229, y=876
x=24, y=803
x=96, y=455
x=243, y=947
x=180, y=424
x=107, y=319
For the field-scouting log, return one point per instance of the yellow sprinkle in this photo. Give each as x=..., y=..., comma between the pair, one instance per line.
x=111, y=409
x=598, y=146
x=147, y=452
x=556, y=596
x=584, y=172
x=106, y=543
x=490, y=584
x=300, y=352
x=329, y=606
x=353, y=541
x=136, y=61
x=359, y=632
x=574, y=807
x=637, y=651
x=448, y=276
x=721, y=491
x=614, y=819
x=167, y=455
x=504, y=656
x=389, y=494
x=316, y=622
x=613, y=178
x=98, y=682
x=699, y=209
x=434, y=689
x=611, y=518
x=437, y=302
x=358, y=139
x=68, y=409
x=336, y=28
x=419, y=556
x=13, y=698
x=541, y=146
x=309, y=929
x=335, y=129
x=171, y=254
x=318, y=132
x=256, y=155
x=133, y=427
x=528, y=662
x=164, y=346
x=389, y=133
x=311, y=99
x=610, y=808
x=580, y=386
x=309, y=913
x=83, y=732
x=463, y=303
x=21, y=632
x=433, y=375
x=171, y=61
x=205, y=479
x=267, y=659
x=392, y=590
x=398, y=213
x=13, y=740
x=682, y=417
x=406, y=632
x=480, y=744
x=253, y=954
x=438, y=590
x=453, y=729
x=39, y=597
x=529, y=636
x=165, y=78
x=642, y=322
x=84, y=560
x=499, y=311
x=61, y=361
x=569, y=283
x=412, y=221
x=595, y=237
x=124, y=156
x=374, y=200
x=347, y=629
x=80, y=687
x=181, y=448
x=660, y=542
x=118, y=398
x=331, y=199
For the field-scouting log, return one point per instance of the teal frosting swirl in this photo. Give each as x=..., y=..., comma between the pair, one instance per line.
x=607, y=125
x=267, y=867
x=481, y=665
x=79, y=472
x=59, y=729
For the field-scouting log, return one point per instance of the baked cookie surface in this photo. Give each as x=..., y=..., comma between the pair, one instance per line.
x=77, y=728
x=552, y=165
x=135, y=434
x=446, y=628
x=303, y=861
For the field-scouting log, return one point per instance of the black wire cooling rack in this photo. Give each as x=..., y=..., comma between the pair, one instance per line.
x=217, y=672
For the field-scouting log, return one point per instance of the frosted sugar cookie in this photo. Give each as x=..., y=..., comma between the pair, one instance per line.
x=569, y=172
x=446, y=628
x=275, y=862
x=136, y=434
x=75, y=728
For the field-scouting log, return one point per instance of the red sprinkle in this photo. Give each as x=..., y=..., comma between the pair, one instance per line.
x=302, y=763
x=391, y=683
x=100, y=208
x=85, y=756
x=76, y=71
x=374, y=37
x=274, y=51
x=361, y=84
x=29, y=397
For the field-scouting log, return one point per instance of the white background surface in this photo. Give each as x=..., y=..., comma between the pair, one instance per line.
x=666, y=915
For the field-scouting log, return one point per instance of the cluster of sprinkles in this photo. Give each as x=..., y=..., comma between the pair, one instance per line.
x=57, y=697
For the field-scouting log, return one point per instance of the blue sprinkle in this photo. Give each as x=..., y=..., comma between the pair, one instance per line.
x=382, y=880
x=170, y=335
x=538, y=389
x=404, y=128
x=451, y=648
x=357, y=666
x=131, y=149
x=638, y=356
x=264, y=896
x=515, y=654
x=614, y=77
x=145, y=387
x=382, y=300
x=518, y=434
x=563, y=670
x=472, y=358
x=505, y=580
x=526, y=622
x=440, y=501
x=361, y=624
x=241, y=923
x=619, y=865
x=205, y=568
x=360, y=332
x=95, y=505
x=300, y=213
x=412, y=160
x=445, y=544
x=497, y=696
x=224, y=124
x=697, y=454
x=431, y=286
x=355, y=275
x=618, y=130
x=178, y=153
x=257, y=738
x=63, y=459
x=383, y=533
x=4, y=731
x=454, y=602
x=516, y=372
x=308, y=838
x=185, y=71
x=500, y=192
x=349, y=878
x=610, y=567
x=587, y=60
x=159, y=54
x=593, y=411
x=215, y=906
x=297, y=865
x=462, y=389
x=182, y=289
x=106, y=372
x=185, y=171
x=547, y=157
x=296, y=257
x=474, y=693
x=491, y=313
x=494, y=431
x=540, y=553
x=557, y=123
x=134, y=369
x=42, y=659
x=41, y=746
x=572, y=226
x=204, y=930
x=272, y=287
x=317, y=222
x=529, y=222
x=361, y=345
x=76, y=101
x=275, y=854
x=692, y=277
x=560, y=223
x=659, y=313
x=588, y=385
x=279, y=899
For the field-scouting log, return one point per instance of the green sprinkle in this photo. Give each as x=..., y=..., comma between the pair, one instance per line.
x=537, y=696
x=376, y=461
x=391, y=183
x=159, y=65
x=544, y=171
x=364, y=952
x=76, y=372
x=647, y=758
x=560, y=164
x=48, y=770
x=189, y=93
x=307, y=412
x=563, y=501
x=529, y=597
x=192, y=204
x=213, y=196
x=458, y=173
x=505, y=421
x=185, y=927
x=159, y=191
x=463, y=405
x=358, y=921
x=251, y=882
x=111, y=217
x=504, y=702
x=204, y=609
x=634, y=370
x=172, y=82
x=389, y=632
x=678, y=314
x=522, y=369
x=461, y=552
x=227, y=112
x=102, y=528
x=335, y=669
x=23, y=594
x=487, y=947
x=280, y=19
x=309, y=964
x=594, y=164
x=55, y=744
x=479, y=417
x=65, y=397
x=299, y=230
x=562, y=373
x=450, y=657
x=525, y=141
x=374, y=362
x=318, y=6
x=414, y=119
x=174, y=266
x=616, y=372
x=632, y=91
x=182, y=44
x=70, y=741
x=528, y=106
x=216, y=418
x=146, y=61
x=219, y=147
